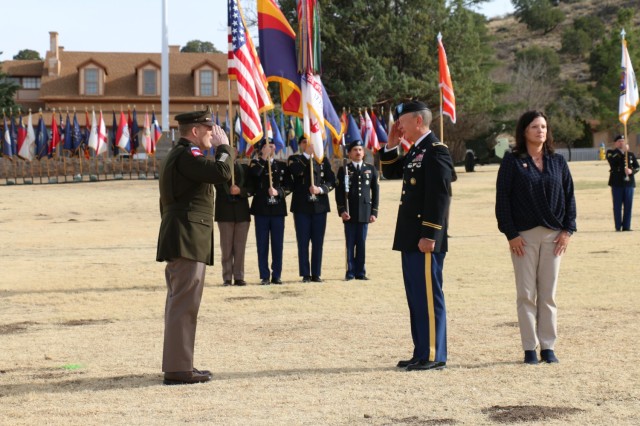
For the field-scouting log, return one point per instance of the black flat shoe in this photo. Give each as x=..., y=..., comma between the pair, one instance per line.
x=264, y=282
x=306, y=279
x=530, y=357
x=316, y=279
x=426, y=365
x=548, y=356
x=363, y=278
x=406, y=362
x=276, y=281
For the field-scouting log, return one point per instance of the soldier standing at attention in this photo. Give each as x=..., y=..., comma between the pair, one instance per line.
x=622, y=182
x=233, y=218
x=269, y=208
x=421, y=229
x=185, y=239
x=310, y=205
x=362, y=198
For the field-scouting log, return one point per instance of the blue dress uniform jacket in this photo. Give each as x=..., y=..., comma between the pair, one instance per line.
x=323, y=177
x=364, y=192
x=622, y=190
x=186, y=201
x=281, y=181
x=426, y=172
x=233, y=208
x=616, y=160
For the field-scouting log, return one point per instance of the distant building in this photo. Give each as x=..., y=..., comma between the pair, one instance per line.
x=113, y=81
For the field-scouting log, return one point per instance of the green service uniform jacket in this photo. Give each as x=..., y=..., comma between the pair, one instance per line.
x=186, y=201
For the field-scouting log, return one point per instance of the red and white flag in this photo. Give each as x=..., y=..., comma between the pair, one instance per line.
x=146, y=141
x=371, y=138
x=55, y=136
x=122, y=135
x=312, y=108
x=448, y=105
x=244, y=67
x=27, y=150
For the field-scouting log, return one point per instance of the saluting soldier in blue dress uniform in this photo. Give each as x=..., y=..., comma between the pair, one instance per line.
x=269, y=208
x=421, y=229
x=185, y=240
x=310, y=205
x=357, y=186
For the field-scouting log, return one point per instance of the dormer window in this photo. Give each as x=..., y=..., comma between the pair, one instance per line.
x=205, y=79
x=148, y=76
x=92, y=77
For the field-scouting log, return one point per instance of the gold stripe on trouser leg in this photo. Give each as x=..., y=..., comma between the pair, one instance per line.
x=431, y=315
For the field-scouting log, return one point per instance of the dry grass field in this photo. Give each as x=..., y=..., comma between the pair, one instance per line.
x=81, y=321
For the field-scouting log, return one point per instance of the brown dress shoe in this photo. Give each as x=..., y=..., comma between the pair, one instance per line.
x=186, y=377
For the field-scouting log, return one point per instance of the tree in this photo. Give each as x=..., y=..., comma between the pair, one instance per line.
x=538, y=14
x=8, y=91
x=575, y=42
x=197, y=46
x=27, y=54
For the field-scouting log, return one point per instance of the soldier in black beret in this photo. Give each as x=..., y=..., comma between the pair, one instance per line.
x=623, y=166
x=357, y=192
x=271, y=184
x=421, y=228
x=185, y=240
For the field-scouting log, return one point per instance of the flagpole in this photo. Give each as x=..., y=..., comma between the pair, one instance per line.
x=233, y=173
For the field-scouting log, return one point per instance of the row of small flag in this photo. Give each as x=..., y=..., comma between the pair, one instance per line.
x=126, y=136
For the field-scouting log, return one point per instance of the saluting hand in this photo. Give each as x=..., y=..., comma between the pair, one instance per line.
x=394, y=136
x=218, y=136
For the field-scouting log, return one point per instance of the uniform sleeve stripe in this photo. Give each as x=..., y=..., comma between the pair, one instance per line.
x=432, y=225
x=390, y=161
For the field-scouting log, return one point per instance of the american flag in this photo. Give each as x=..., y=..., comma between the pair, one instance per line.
x=448, y=98
x=244, y=66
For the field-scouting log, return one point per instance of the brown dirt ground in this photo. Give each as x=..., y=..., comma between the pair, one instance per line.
x=81, y=321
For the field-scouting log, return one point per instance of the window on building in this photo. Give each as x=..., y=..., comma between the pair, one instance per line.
x=206, y=83
x=91, y=81
x=150, y=82
x=14, y=80
x=31, y=82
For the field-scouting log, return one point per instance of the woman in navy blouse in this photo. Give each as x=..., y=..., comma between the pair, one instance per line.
x=536, y=211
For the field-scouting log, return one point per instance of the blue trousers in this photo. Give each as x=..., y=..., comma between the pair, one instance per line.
x=422, y=274
x=269, y=226
x=622, y=200
x=356, y=234
x=310, y=228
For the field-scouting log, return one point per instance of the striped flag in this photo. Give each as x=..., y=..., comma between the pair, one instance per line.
x=122, y=135
x=244, y=67
x=7, y=146
x=146, y=141
x=628, y=86
x=27, y=150
x=448, y=105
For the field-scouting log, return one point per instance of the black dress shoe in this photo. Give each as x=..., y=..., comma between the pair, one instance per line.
x=240, y=282
x=348, y=277
x=276, y=281
x=186, y=377
x=405, y=363
x=207, y=372
x=363, y=278
x=548, y=356
x=306, y=279
x=226, y=283
x=426, y=365
x=316, y=279
x=265, y=282
x=530, y=357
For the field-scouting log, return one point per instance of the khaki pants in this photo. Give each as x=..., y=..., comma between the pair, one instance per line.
x=185, y=281
x=233, y=242
x=536, y=280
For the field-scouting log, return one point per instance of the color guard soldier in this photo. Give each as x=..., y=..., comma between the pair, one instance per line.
x=421, y=229
x=233, y=218
x=622, y=182
x=271, y=185
x=310, y=205
x=185, y=239
x=357, y=198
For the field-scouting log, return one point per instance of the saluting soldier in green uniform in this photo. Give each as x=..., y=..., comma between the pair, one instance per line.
x=185, y=240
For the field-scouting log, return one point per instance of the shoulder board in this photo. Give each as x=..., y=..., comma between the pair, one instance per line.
x=195, y=151
x=438, y=143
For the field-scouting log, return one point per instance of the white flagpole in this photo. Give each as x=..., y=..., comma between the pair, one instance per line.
x=164, y=96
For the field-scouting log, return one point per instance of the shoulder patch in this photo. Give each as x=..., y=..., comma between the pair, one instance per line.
x=223, y=157
x=438, y=143
x=195, y=151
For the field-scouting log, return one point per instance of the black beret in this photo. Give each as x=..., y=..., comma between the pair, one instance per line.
x=354, y=144
x=411, y=106
x=262, y=142
x=616, y=138
x=196, y=117
x=302, y=138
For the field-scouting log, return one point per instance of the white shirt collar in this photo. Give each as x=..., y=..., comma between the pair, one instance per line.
x=421, y=138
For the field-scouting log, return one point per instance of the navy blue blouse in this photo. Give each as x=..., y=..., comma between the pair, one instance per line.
x=527, y=197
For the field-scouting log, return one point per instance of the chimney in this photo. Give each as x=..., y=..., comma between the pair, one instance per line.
x=53, y=55
x=174, y=49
